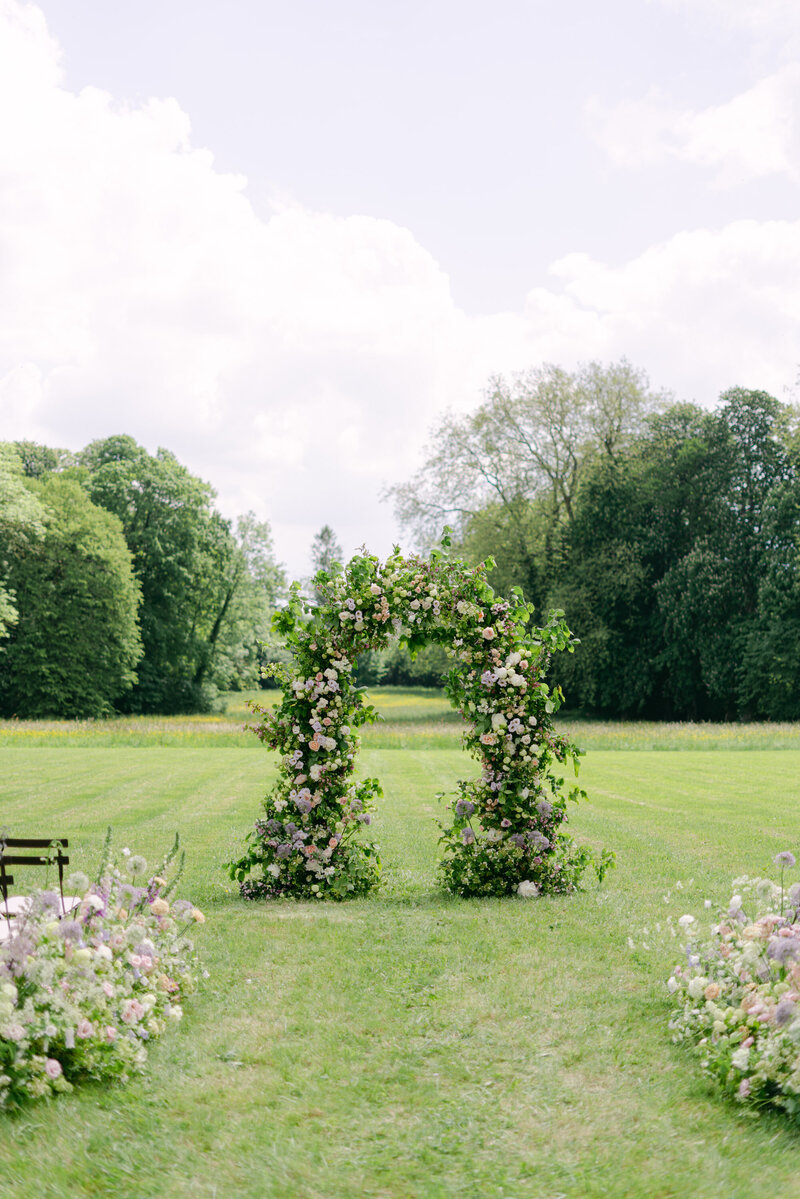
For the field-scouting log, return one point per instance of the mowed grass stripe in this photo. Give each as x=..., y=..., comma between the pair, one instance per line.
x=410, y=1044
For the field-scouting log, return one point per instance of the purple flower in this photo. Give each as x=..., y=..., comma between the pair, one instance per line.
x=784, y=859
x=784, y=1012
x=781, y=948
x=70, y=930
x=464, y=807
x=544, y=808
x=283, y=851
x=49, y=902
x=518, y=840
x=467, y=836
x=303, y=805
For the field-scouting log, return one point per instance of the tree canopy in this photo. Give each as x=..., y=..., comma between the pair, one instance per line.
x=204, y=593
x=669, y=533
x=75, y=641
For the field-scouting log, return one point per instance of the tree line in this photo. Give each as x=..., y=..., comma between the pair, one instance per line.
x=121, y=587
x=669, y=533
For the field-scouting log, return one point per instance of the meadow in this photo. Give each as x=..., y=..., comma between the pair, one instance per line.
x=413, y=717
x=410, y=1044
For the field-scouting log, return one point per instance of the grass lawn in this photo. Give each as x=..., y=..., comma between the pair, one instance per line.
x=410, y=1044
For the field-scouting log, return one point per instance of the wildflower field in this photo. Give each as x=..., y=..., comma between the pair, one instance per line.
x=409, y=1043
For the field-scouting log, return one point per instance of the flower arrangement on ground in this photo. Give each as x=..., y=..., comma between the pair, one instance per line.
x=505, y=835
x=81, y=995
x=737, y=994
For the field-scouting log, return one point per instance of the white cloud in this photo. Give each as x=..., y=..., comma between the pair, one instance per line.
x=755, y=134
x=297, y=362
x=777, y=18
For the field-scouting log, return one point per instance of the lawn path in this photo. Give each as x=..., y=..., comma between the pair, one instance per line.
x=409, y=1044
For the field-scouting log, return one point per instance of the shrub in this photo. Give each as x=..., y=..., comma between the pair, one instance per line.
x=737, y=994
x=81, y=996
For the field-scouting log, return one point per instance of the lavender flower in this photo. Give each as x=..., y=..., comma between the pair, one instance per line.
x=464, y=807
x=48, y=902
x=784, y=1012
x=781, y=948
x=785, y=859
x=70, y=930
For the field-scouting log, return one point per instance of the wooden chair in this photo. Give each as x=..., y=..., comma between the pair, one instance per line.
x=50, y=852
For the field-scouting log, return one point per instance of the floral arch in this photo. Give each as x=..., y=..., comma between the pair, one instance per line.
x=504, y=832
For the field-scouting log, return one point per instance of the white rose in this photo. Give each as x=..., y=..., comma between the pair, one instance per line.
x=527, y=889
x=273, y=869
x=697, y=986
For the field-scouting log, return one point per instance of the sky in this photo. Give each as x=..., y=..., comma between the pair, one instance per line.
x=282, y=240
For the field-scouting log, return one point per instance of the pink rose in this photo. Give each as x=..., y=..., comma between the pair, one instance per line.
x=132, y=1011
x=489, y=633
x=84, y=1029
x=52, y=1068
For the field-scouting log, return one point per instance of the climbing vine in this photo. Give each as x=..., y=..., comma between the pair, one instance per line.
x=503, y=833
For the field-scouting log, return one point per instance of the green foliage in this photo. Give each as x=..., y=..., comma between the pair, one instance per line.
x=670, y=534
x=207, y=595
x=76, y=642
x=21, y=525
